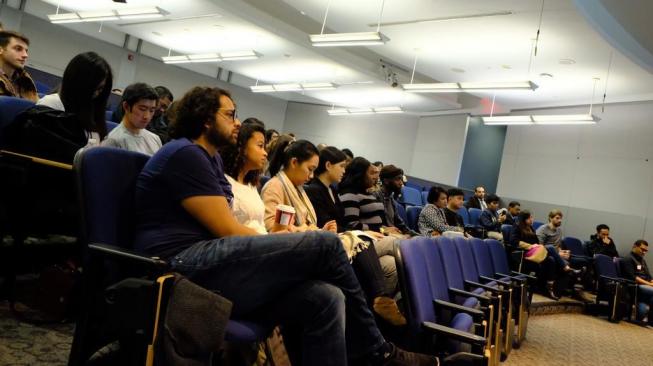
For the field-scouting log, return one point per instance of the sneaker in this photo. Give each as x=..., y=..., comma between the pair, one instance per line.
x=399, y=357
x=388, y=310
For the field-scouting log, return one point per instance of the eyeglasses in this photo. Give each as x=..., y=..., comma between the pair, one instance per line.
x=234, y=117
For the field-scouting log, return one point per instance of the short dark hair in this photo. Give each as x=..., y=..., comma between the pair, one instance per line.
x=164, y=92
x=233, y=156
x=329, y=154
x=268, y=134
x=477, y=187
x=285, y=150
x=138, y=91
x=600, y=227
x=390, y=172
x=7, y=35
x=455, y=192
x=513, y=204
x=348, y=153
x=434, y=194
x=377, y=163
x=640, y=242
x=492, y=198
x=197, y=107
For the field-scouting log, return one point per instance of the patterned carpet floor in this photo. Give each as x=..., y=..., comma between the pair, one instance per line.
x=564, y=339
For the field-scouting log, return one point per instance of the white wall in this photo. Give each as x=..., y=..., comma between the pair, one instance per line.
x=438, y=149
x=53, y=46
x=598, y=174
x=429, y=148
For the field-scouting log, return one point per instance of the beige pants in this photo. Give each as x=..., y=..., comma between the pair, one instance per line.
x=495, y=235
x=385, y=250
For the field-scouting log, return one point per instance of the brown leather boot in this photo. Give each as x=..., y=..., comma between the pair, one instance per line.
x=387, y=309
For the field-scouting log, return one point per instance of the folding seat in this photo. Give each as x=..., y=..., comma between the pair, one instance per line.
x=465, y=215
x=442, y=290
x=411, y=196
x=426, y=310
x=108, y=116
x=401, y=211
x=120, y=287
x=474, y=216
x=412, y=214
x=506, y=230
x=520, y=302
x=579, y=259
x=111, y=126
x=502, y=298
x=10, y=107
x=619, y=293
x=537, y=224
x=425, y=195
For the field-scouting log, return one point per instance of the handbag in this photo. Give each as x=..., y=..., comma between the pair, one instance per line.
x=537, y=253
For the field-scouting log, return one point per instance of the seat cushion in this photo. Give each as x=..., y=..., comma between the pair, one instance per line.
x=243, y=331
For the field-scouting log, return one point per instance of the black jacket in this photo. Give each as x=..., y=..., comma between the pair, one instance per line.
x=474, y=202
x=598, y=247
x=325, y=208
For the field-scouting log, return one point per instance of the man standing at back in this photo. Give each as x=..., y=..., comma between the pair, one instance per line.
x=302, y=281
x=478, y=200
x=139, y=101
x=14, y=80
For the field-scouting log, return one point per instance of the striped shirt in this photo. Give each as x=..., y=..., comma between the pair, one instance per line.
x=363, y=211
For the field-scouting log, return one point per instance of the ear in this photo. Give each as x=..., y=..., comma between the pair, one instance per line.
x=125, y=107
x=328, y=165
x=294, y=162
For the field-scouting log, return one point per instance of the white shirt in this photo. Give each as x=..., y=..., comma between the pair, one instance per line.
x=144, y=142
x=247, y=206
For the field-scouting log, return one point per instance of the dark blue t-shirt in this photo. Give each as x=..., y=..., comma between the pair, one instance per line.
x=179, y=170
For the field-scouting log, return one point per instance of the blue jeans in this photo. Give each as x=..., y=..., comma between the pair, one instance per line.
x=553, y=253
x=645, y=301
x=302, y=281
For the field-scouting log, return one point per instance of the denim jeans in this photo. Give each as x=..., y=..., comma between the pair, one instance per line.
x=645, y=301
x=553, y=253
x=302, y=281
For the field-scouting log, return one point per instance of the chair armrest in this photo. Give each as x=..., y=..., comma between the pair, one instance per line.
x=583, y=257
x=455, y=334
x=119, y=254
x=514, y=273
x=477, y=315
x=488, y=288
x=37, y=160
x=483, y=299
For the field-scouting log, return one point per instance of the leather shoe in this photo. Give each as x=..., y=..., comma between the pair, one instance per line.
x=388, y=310
x=550, y=292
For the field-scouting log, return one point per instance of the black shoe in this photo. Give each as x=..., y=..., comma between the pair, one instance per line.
x=550, y=292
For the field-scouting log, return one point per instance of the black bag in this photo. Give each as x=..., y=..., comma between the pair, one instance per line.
x=618, y=303
x=46, y=133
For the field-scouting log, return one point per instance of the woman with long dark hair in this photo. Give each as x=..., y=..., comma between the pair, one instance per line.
x=523, y=237
x=84, y=91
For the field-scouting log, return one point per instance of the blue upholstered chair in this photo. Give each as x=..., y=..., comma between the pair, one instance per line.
x=411, y=196
x=106, y=180
x=412, y=215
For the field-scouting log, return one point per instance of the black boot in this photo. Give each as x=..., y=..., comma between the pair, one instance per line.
x=550, y=292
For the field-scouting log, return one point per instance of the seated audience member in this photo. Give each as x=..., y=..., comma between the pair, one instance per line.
x=392, y=180
x=367, y=265
x=491, y=220
x=478, y=200
x=602, y=243
x=523, y=236
x=551, y=233
x=432, y=221
x=159, y=124
x=139, y=101
x=636, y=269
x=363, y=211
x=350, y=155
x=243, y=164
x=84, y=91
x=271, y=136
x=303, y=282
x=455, y=199
x=512, y=213
x=14, y=80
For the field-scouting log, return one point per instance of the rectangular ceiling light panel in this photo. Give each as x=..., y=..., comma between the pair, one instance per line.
x=469, y=87
x=556, y=119
x=348, y=39
x=211, y=57
x=107, y=15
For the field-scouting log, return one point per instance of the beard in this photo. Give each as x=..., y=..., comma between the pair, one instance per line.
x=218, y=138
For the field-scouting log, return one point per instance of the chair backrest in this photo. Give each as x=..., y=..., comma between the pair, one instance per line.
x=450, y=262
x=401, y=211
x=412, y=214
x=574, y=245
x=10, y=107
x=463, y=212
x=499, y=256
x=606, y=266
x=108, y=116
x=42, y=88
x=106, y=180
x=506, y=230
x=537, y=224
x=415, y=283
x=111, y=126
x=482, y=257
x=435, y=271
x=411, y=196
x=474, y=216
x=466, y=258
x=425, y=196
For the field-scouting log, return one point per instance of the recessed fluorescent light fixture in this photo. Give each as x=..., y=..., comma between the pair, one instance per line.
x=292, y=87
x=469, y=87
x=348, y=39
x=360, y=111
x=107, y=15
x=211, y=57
x=556, y=119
